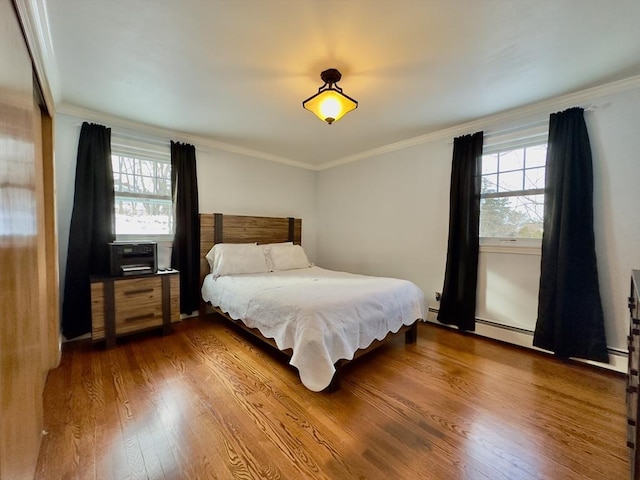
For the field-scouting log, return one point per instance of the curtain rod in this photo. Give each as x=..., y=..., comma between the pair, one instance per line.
x=539, y=123
x=527, y=126
x=117, y=132
x=131, y=136
x=151, y=139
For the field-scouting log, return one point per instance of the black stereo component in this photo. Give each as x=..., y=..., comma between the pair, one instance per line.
x=133, y=258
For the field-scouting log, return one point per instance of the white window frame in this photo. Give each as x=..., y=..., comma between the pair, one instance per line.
x=127, y=147
x=530, y=136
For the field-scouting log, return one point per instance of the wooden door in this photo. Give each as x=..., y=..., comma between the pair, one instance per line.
x=28, y=331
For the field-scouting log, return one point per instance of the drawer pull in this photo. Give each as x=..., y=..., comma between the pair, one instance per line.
x=634, y=372
x=139, y=317
x=635, y=321
x=631, y=422
x=631, y=389
x=631, y=444
x=635, y=331
x=136, y=292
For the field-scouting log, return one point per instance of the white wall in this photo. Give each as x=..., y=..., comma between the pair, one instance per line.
x=505, y=286
x=614, y=132
x=384, y=215
x=388, y=215
x=241, y=185
x=67, y=133
x=227, y=183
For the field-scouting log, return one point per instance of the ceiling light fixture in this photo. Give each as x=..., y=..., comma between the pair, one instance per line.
x=330, y=104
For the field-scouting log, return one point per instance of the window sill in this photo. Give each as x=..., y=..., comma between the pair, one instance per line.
x=512, y=249
x=145, y=238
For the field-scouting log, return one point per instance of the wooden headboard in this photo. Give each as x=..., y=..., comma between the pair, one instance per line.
x=219, y=228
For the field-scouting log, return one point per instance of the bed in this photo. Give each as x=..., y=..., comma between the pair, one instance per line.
x=321, y=319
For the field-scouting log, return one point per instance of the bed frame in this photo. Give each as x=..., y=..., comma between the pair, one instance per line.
x=219, y=228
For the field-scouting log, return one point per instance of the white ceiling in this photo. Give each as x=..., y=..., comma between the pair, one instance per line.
x=237, y=71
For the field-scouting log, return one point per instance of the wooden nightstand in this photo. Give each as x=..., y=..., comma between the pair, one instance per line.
x=124, y=305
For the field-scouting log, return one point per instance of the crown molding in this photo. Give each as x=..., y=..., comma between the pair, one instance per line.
x=144, y=132
x=33, y=18
x=35, y=26
x=582, y=98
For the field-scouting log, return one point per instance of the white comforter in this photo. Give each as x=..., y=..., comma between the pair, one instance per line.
x=322, y=315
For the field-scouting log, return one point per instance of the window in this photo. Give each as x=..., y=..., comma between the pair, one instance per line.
x=142, y=184
x=512, y=191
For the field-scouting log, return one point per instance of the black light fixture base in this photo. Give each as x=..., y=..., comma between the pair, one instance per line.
x=331, y=76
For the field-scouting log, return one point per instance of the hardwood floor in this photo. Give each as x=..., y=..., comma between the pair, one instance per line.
x=207, y=402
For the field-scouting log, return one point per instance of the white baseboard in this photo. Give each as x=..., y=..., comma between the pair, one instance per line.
x=618, y=360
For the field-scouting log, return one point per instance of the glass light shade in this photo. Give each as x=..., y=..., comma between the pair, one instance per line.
x=330, y=105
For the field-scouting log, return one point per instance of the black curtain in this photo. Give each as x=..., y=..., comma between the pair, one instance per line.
x=458, y=302
x=185, y=255
x=570, y=319
x=92, y=227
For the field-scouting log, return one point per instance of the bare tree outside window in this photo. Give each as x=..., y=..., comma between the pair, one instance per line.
x=142, y=195
x=512, y=195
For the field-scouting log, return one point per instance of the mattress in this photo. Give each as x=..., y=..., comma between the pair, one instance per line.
x=321, y=315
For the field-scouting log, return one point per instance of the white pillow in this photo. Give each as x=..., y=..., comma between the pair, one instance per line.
x=234, y=258
x=286, y=257
x=266, y=248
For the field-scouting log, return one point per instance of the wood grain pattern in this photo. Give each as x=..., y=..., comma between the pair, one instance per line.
x=175, y=297
x=633, y=380
x=207, y=402
x=248, y=229
x=206, y=242
x=244, y=229
x=52, y=335
x=97, y=310
x=138, y=303
x=26, y=351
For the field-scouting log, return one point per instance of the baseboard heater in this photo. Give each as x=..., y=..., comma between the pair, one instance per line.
x=612, y=351
x=511, y=328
